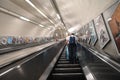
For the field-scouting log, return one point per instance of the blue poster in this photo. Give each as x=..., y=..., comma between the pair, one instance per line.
x=9, y=40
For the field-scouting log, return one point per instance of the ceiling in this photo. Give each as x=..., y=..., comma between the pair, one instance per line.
x=74, y=13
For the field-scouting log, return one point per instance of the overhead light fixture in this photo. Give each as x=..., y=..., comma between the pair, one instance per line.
x=19, y=16
x=41, y=25
x=30, y=3
x=14, y=14
x=23, y=18
x=58, y=16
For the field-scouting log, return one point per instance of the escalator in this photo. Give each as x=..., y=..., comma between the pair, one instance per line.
x=104, y=72
x=64, y=70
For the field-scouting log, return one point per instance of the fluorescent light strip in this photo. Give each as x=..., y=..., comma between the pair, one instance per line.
x=30, y=3
x=14, y=14
x=19, y=16
x=58, y=16
x=23, y=18
x=41, y=25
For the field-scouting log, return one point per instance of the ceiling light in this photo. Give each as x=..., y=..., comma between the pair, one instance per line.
x=58, y=16
x=41, y=25
x=51, y=21
x=30, y=3
x=19, y=16
x=23, y=18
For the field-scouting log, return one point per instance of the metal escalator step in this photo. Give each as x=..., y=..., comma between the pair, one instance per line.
x=63, y=62
x=62, y=57
x=67, y=70
x=68, y=76
x=67, y=65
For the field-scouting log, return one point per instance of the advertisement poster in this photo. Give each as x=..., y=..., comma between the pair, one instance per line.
x=114, y=24
x=9, y=40
x=87, y=32
x=102, y=33
x=92, y=33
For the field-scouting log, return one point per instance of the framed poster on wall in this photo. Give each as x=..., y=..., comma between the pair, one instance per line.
x=101, y=30
x=92, y=33
x=9, y=39
x=114, y=24
x=87, y=33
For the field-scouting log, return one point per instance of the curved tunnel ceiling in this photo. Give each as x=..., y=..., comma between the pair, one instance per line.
x=76, y=13
x=43, y=14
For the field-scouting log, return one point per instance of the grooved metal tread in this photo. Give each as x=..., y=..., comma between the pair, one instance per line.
x=68, y=74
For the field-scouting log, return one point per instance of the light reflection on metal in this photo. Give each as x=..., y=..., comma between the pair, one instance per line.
x=88, y=73
x=6, y=71
x=18, y=66
x=20, y=70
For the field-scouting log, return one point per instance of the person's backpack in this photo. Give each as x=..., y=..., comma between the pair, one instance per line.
x=72, y=40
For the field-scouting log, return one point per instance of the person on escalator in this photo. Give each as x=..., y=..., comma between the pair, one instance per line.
x=72, y=47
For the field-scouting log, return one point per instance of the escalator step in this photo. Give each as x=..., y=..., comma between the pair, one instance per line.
x=67, y=70
x=67, y=65
x=62, y=57
x=67, y=76
x=63, y=62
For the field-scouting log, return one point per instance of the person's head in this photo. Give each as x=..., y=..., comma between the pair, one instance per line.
x=72, y=34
